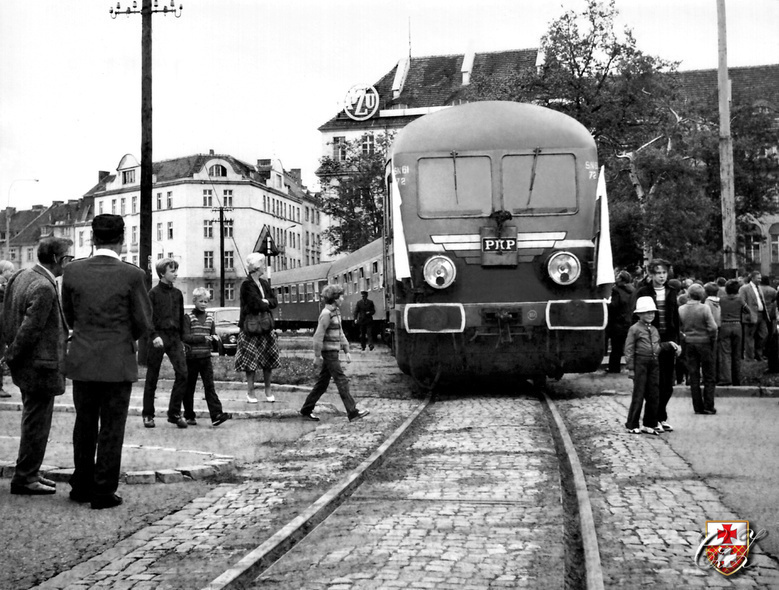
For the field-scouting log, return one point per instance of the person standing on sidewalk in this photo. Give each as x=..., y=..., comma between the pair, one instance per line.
x=619, y=319
x=7, y=269
x=364, y=311
x=757, y=322
x=329, y=339
x=106, y=303
x=167, y=305
x=35, y=333
x=730, y=336
x=199, y=332
x=667, y=323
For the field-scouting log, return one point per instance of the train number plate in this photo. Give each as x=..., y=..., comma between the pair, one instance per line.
x=498, y=244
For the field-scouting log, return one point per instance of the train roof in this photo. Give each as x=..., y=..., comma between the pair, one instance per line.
x=367, y=252
x=493, y=125
x=302, y=274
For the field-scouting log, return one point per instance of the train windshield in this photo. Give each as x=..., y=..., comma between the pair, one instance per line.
x=455, y=186
x=539, y=183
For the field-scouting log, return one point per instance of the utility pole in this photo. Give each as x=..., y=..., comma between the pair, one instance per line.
x=222, y=252
x=146, y=11
x=727, y=190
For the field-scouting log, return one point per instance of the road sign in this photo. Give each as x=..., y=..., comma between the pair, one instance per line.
x=265, y=244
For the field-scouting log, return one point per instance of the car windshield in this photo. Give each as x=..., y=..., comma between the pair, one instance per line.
x=227, y=316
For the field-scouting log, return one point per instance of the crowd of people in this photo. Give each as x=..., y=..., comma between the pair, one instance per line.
x=674, y=331
x=86, y=325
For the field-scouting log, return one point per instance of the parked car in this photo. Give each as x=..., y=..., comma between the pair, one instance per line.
x=226, y=324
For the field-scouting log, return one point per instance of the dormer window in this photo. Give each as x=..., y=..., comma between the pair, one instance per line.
x=217, y=170
x=128, y=177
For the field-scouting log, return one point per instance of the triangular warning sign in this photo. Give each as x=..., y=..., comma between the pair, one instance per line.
x=265, y=244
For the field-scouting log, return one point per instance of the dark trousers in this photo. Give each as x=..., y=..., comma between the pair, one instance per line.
x=729, y=354
x=175, y=350
x=366, y=333
x=646, y=380
x=98, y=435
x=754, y=338
x=331, y=367
x=617, y=350
x=700, y=359
x=204, y=368
x=36, y=423
x=666, y=360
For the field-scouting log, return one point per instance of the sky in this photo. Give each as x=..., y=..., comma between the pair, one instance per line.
x=256, y=78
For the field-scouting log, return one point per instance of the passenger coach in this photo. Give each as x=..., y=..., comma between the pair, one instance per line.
x=492, y=241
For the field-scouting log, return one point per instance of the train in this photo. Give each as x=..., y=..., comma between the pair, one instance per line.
x=496, y=256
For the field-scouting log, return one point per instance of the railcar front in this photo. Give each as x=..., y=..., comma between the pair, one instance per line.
x=492, y=233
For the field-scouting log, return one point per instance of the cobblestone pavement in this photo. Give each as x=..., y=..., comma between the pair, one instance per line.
x=470, y=500
x=650, y=507
x=190, y=547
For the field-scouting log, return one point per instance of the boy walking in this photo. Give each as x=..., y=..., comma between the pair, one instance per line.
x=199, y=331
x=642, y=354
x=168, y=323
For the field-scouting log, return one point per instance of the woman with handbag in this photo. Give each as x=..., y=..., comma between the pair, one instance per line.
x=257, y=347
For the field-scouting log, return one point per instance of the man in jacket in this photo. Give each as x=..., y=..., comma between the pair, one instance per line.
x=36, y=335
x=756, y=324
x=364, y=310
x=667, y=323
x=106, y=302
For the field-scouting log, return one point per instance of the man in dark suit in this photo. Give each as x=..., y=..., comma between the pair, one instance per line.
x=106, y=302
x=34, y=330
x=756, y=324
x=364, y=311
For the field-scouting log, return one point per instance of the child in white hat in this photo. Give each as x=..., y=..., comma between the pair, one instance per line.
x=642, y=349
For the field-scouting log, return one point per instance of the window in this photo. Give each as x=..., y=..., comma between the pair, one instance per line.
x=135, y=259
x=210, y=288
x=228, y=198
x=229, y=260
x=339, y=149
x=217, y=170
x=122, y=206
x=170, y=254
x=208, y=198
x=375, y=267
x=228, y=225
x=229, y=290
x=752, y=248
x=159, y=201
x=128, y=176
x=113, y=206
x=159, y=232
x=100, y=207
x=307, y=212
x=160, y=256
x=535, y=184
x=81, y=238
x=134, y=205
x=29, y=254
x=170, y=230
x=367, y=144
x=208, y=228
x=317, y=217
x=208, y=259
x=264, y=202
x=461, y=186
x=134, y=234
x=170, y=200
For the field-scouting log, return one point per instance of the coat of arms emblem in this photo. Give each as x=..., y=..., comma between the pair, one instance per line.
x=727, y=544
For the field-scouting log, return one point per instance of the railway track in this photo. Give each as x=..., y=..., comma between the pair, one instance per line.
x=470, y=491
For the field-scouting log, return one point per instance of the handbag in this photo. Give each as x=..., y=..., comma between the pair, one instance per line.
x=258, y=323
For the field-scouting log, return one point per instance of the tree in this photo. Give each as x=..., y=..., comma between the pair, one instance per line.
x=353, y=192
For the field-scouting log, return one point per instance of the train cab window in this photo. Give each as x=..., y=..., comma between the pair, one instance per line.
x=455, y=186
x=539, y=184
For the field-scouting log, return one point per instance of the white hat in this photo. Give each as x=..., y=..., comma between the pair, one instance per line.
x=644, y=304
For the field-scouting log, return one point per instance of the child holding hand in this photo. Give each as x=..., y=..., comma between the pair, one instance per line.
x=642, y=349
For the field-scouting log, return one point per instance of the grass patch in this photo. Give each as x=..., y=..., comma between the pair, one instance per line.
x=294, y=370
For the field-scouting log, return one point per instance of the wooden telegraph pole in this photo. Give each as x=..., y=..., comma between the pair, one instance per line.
x=727, y=191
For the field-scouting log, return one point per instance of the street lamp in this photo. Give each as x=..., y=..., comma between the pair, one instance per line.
x=8, y=212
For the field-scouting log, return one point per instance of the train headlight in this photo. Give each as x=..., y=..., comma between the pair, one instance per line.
x=439, y=272
x=564, y=268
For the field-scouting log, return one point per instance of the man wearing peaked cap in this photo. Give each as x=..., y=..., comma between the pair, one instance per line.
x=106, y=303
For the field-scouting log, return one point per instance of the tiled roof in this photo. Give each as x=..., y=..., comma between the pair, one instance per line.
x=187, y=166
x=64, y=213
x=749, y=85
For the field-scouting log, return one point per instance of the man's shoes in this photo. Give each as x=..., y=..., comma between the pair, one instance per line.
x=191, y=422
x=665, y=426
x=81, y=497
x=647, y=430
x=359, y=414
x=270, y=399
x=313, y=417
x=148, y=422
x=35, y=488
x=101, y=502
x=178, y=421
x=370, y=347
x=47, y=482
x=221, y=419
x=4, y=393
x=710, y=412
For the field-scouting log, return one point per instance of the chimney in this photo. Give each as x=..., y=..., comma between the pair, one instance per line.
x=101, y=174
x=295, y=173
x=467, y=67
x=57, y=203
x=540, y=61
x=400, y=77
x=210, y=152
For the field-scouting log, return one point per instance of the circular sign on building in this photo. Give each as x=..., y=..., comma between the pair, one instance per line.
x=361, y=102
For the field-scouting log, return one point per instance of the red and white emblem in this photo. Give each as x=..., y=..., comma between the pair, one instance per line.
x=727, y=544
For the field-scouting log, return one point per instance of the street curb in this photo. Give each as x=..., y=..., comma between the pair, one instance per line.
x=255, y=562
